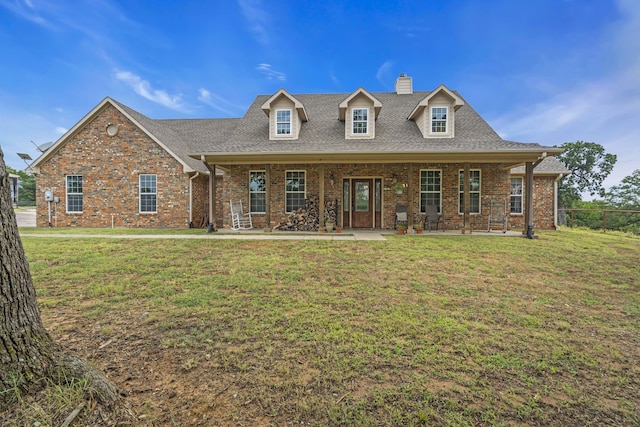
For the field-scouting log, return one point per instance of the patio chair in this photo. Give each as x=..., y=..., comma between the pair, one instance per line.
x=497, y=214
x=239, y=219
x=401, y=216
x=432, y=217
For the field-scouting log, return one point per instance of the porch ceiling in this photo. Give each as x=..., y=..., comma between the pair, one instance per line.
x=510, y=157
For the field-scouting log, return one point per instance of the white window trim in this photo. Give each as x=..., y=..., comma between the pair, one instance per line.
x=430, y=192
x=479, y=192
x=516, y=195
x=446, y=121
x=264, y=172
x=289, y=122
x=140, y=193
x=353, y=122
x=304, y=192
x=67, y=193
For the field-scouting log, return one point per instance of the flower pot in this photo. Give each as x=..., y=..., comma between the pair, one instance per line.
x=329, y=227
x=402, y=230
x=419, y=230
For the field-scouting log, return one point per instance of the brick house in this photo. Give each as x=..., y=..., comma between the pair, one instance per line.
x=364, y=153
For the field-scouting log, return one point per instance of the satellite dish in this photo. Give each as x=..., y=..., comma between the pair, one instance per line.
x=43, y=147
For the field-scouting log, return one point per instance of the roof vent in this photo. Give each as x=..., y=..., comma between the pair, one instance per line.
x=404, y=85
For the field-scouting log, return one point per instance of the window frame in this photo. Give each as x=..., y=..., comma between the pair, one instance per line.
x=472, y=192
x=295, y=174
x=441, y=122
x=255, y=195
x=514, y=196
x=75, y=195
x=426, y=192
x=146, y=194
x=287, y=123
x=365, y=121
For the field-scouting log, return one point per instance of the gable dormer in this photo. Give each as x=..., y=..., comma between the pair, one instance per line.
x=435, y=114
x=359, y=113
x=286, y=115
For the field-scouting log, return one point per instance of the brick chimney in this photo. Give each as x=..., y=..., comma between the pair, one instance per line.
x=404, y=85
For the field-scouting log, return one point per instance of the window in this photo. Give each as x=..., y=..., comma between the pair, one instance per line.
x=474, y=191
x=257, y=191
x=294, y=191
x=439, y=119
x=516, y=195
x=148, y=193
x=360, y=120
x=74, y=193
x=430, y=189
x=283, y=122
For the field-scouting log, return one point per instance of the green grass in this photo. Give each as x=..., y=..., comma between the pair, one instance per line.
x=451, y=330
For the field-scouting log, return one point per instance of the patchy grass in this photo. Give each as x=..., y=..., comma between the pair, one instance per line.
x=446, y=330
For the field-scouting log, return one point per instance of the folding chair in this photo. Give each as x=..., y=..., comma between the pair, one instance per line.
x=432, y=216
x=401, y=216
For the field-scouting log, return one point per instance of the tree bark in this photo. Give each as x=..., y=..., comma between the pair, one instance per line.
x=27, y=352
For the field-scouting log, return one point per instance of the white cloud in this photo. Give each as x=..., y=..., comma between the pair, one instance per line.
x=217, y=102
x=256, y=17
x=383, y=73
x=60, y=130
x=270, y=73
x=144, y=89
x=603, y=110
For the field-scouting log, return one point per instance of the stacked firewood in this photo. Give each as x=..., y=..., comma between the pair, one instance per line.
x=308, y=219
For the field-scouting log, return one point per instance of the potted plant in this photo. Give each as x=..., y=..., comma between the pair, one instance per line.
x=398, y=187
x=418, y=227
x=328, y=222
x=401, y=228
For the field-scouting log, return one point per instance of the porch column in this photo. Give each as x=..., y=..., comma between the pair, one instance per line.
x=267, y=195
x=212, y=195
x=528, y=213
x=321, y=196
x=467, y=200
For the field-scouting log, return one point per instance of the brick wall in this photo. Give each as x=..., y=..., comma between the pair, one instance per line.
x=543, y=206
x=110, y=166
x=495, y=185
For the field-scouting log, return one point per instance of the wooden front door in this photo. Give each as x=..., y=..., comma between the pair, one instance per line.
x=362, y=203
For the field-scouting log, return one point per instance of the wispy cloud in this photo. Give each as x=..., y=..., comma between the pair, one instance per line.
x=26, y=10
x=144, y=89
x=384, y=73
x=217, y=102
x=603, y=110
x=257, y=18
x=270, y=73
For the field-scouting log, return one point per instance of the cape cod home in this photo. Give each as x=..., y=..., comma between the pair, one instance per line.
x=365, y=154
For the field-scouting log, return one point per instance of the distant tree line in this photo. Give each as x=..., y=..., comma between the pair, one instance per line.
x=590, y=165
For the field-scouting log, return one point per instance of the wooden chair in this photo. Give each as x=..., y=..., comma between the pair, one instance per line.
x=239, y=219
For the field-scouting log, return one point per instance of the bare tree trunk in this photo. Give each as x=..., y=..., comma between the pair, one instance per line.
x=27, y=352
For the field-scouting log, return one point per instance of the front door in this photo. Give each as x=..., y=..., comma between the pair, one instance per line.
x=362, y=203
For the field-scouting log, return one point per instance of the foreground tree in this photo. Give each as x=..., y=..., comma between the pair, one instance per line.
x=27, y=352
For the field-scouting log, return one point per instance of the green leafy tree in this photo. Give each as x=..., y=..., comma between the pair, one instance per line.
x=625, y=196
x=590, y=165
x=27, y=193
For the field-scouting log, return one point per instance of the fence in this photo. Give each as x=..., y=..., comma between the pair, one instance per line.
x=604, y=215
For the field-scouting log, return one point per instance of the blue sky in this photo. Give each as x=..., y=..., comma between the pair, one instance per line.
x=545, y=71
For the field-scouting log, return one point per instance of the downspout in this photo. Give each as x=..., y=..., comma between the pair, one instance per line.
x=191, y=198
x=555, y=200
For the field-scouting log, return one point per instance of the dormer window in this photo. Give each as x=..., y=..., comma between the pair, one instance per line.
x=286, y=115
x=283, y=122
x=439, y=119
x=360, y=120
